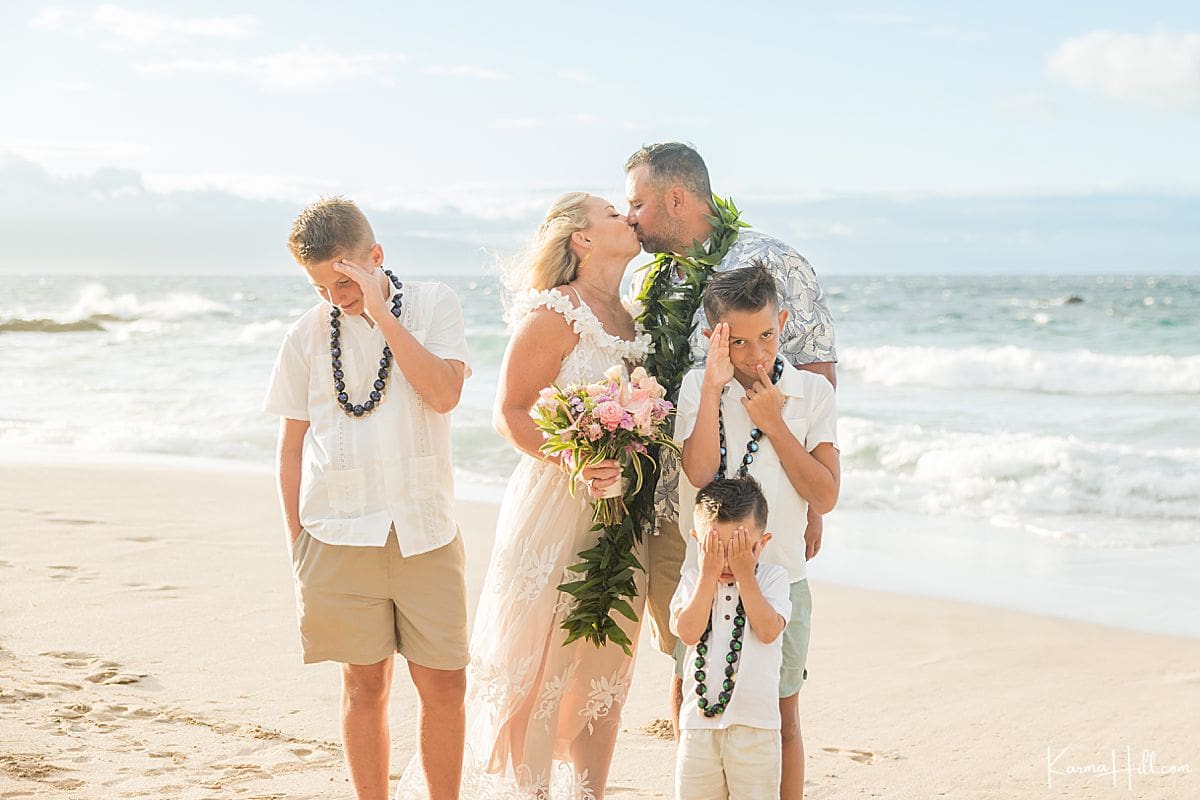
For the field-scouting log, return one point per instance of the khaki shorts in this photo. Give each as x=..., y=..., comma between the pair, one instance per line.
x=359, y=605
x=664, y=559
x=738, y=763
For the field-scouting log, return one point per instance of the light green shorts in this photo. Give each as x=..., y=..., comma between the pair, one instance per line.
x=794, y=672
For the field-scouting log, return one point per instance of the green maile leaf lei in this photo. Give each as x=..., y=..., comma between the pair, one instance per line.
x=669, y=304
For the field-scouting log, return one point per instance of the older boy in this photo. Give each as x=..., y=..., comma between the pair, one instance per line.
x=750, y=412
x=729, y=744
x=364, y=384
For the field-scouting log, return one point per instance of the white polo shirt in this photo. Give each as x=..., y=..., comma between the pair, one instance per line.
x=755, y=700
x=362, y=475
x=810, y=413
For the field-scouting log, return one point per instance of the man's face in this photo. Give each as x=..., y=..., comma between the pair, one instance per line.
x=656, y=228
x=753, y=340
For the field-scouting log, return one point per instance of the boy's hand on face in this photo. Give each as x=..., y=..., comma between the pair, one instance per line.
x=718, y=369
x=743, y=554
x=712, y=555
x=764, y=402
x=367, y=277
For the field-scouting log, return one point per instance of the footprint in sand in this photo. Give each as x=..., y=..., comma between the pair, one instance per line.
x=10, y=696
x=140, y=539
x=73, y=711
x=53, y=516
x=70, y=572
x=863, y=756
x=105, y=673
x=4, y=563
x=164, y=589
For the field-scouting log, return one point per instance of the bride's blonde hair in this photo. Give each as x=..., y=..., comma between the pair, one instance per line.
x=550, y=260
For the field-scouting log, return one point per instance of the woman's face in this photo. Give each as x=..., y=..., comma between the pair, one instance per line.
x=609, y=232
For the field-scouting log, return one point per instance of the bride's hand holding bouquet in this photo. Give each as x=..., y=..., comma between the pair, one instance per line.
x=592, y=428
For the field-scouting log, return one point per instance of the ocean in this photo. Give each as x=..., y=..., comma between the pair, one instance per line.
x=1037, y=414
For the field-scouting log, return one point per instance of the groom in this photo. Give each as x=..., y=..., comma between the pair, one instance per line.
x=693, y=234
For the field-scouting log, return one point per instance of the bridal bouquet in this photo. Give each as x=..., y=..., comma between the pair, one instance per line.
x=621, y=419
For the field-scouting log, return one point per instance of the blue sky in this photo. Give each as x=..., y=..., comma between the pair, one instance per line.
x=932, y=137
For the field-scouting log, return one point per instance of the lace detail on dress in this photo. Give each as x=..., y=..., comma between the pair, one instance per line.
x=583, y=321
x=542, y=715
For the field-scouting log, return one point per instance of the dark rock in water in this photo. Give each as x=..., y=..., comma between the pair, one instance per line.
x=48, y=326
x=1073, y=300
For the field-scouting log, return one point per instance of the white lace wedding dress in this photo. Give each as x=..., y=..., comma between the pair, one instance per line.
x=542, y=717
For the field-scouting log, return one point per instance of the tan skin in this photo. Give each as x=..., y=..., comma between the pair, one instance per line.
x=358, y=286
x=669, y=219
x=542, y=339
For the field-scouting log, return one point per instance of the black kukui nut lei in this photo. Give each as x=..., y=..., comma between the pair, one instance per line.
x=731, y=664
x=755, y=434
x=352, y=409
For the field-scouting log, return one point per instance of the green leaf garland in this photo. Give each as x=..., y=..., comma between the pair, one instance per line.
x=669, y=308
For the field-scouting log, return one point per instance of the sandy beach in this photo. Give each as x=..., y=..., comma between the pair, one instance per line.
x=148, y=649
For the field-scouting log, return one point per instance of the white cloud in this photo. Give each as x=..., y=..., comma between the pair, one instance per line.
x=519, y=123
x=875, y=18
x=567, y=121
x=51, y=19
x=1160, y=69
x=466, y=71
x=574, y=75
x=249, y=185
x=71, y=157
x=144, y=27
x=296, y=69
x=1028, y=104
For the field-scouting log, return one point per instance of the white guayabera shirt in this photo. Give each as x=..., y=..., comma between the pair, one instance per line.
x=810, y=412
x=755, y=700
x=362, y=475
x=807, y=335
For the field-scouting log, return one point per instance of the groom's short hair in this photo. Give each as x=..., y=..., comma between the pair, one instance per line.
x=731, y=500
x=673, y=164
x=749, y=288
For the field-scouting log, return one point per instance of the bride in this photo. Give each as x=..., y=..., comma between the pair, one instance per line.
x=543, y=717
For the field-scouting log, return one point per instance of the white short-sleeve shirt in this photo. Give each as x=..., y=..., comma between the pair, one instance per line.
x=362, y=475
x=755, y=700
x=810, y=412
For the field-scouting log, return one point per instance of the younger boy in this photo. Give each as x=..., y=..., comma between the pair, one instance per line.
x=364, y=384
x=750, y=412
x=729, y=745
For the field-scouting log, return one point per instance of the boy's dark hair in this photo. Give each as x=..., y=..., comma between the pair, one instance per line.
x=749, y=288
x=674, y=164
x=732, y=500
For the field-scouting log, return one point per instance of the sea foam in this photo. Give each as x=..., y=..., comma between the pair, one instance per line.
x=1020, y=368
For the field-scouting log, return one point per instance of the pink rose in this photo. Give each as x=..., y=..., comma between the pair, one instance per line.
x=610, y=414
x=643, y=418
